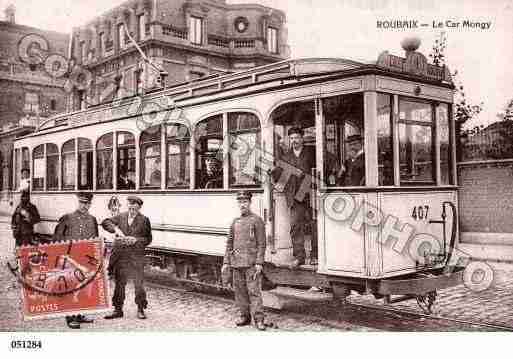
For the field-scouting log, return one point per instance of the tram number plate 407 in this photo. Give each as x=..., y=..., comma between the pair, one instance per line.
x=63, y=278
x=420, y=213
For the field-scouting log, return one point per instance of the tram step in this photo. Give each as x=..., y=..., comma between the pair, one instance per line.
x=299, y=294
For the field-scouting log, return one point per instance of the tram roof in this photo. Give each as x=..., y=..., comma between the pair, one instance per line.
x=274, y=75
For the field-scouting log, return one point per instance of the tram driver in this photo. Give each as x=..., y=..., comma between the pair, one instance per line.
x=213, y=174
x=354, y=167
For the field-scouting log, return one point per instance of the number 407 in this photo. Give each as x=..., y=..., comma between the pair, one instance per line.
x=420, y=213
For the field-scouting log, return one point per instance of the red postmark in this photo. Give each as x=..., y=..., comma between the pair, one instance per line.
x=63, y=278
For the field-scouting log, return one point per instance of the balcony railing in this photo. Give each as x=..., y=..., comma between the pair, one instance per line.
x=218, y=41
x=239, y=44
x=175, y=32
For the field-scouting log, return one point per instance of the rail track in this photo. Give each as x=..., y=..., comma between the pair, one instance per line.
x=332, y=314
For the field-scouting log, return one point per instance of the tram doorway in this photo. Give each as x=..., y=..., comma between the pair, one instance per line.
x=292, y=196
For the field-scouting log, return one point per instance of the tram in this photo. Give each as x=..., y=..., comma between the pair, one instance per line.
x=391, y=234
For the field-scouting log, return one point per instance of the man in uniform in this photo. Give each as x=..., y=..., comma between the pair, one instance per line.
x=76, y=226
x=354, y=168
x=23, y=220
x=133, y=234
x=303, y=159
x=214, y=172
x=245, y=250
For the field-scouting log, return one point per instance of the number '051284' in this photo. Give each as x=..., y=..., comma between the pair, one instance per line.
x=26, y=344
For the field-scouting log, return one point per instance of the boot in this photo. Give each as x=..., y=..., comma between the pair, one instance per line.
x=259, y=324
x=117, y=313
x=72, y=322
x=140, y=313
x=243, y=321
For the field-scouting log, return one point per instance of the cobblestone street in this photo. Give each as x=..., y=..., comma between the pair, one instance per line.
x=179, y=310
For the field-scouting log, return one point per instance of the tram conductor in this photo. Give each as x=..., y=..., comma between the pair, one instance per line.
x=245, y=250
x=76, y=226
x=133, y=234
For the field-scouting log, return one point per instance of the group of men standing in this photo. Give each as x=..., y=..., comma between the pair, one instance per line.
x=132, y=234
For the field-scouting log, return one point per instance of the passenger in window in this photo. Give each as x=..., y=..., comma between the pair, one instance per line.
x=354, y=167
x=25, y=180
x=156, y=174
x=213, y=171
x=125, y=182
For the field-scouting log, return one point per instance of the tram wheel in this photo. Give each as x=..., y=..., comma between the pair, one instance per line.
x=426, y=301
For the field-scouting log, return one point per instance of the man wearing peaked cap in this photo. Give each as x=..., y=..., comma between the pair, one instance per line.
x=245, y=250
x=76, y=226
x=354, y=167
x=133, y=234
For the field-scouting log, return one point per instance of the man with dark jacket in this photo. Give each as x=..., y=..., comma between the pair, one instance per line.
x=354, y=168
x=133, y=234
x=301, y=158
x=245, y=250
x=76, y=226
x=23, y=220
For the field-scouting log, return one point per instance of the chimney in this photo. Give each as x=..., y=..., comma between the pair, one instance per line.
x=10, y=14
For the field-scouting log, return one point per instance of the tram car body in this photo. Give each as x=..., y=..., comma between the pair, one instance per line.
x=391, y=233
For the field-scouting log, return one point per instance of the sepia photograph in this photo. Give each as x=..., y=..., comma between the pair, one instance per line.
x=255, y=168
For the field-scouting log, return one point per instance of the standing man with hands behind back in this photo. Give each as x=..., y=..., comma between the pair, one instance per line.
x=245, y=250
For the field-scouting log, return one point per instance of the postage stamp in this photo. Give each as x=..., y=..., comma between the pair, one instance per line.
x=63, y=278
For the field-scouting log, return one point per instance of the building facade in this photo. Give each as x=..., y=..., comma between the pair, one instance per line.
x=28, y=93
x=185, y=39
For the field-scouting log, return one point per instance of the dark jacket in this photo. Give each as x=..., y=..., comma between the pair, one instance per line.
x=140, y=229
x=75, y=226
x=355, y=172
x=23, y=226
x=303, y=165
x=245, y=246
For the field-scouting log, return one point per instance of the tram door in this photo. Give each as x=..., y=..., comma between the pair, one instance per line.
x=292, y=177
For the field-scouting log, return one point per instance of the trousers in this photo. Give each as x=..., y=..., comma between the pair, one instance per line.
x=248, y=295
x=300, y=216
x=122, y=272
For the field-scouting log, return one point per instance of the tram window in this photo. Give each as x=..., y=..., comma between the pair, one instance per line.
x=85, y=164
x=52, y=166
x=38, y=177
x=209, y=153
x=416, y=155
x=17, y=167
x=25, y=158
x=344, y=156
x=442, y=115
x=68, y=165
x=150, y=157
x=178, y=155
x=385, y=152
x=244, y=134
x=126, y=159
x=104, y=149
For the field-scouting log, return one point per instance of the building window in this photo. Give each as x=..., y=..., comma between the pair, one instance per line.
x=52, y=166
x=416, y=153
x=196, y=30
x=121, y=36
x=81, y=100
x=150, y=157
x=83, y=54
x=68, y=165
x=101, y=44
x=385, y=142
x=141, y=20
x=53, y=105
x=178, y=155
x=38, y=177
x=272, y=40
x=32, y=102
x=104, y=149
x=85, y=164
x=244, y=134
x=209, y=153
x=126, y=160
